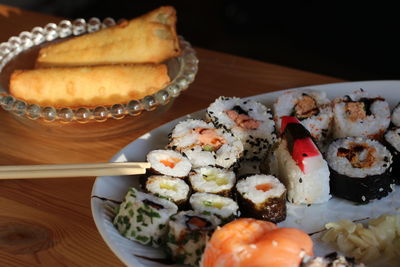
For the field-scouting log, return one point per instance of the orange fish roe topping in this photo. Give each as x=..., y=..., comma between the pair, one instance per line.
x=242, y=120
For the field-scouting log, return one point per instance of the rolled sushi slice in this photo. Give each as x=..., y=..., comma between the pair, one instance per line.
x=262, y=197
x=392, y=141
x=248, y=120
x=360, y=169
x=171, y=188
x=312, y=108
x=212, y=180
x=188, y=234
x=144, y=218
x=205, y=145
x=168, y=162
x=358, y=114
x=396, y=116
x=301, y=166
x=224, y=208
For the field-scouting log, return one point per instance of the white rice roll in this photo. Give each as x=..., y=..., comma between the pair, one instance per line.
x=205, y=145
x=212, y=180
x=311, y=107
x=169, y=162
x=144, y=218
x=262, y=197
x=396, y=115
x=311, y=187
x=248, y=120
x=188, y=234
x=171, y=188
x=212, y=204
x=359, y=114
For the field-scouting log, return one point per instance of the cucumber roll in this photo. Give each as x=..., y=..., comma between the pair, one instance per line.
x=211, y=204
x=188, y=234
x=144, y=218
x=212, y=180
x=171, y=188
x=358, y=114
x=360, y=169
x=168, y=162
x=392, y=141
x=262, y=197
x=205, y=145
x=312, y=108
x=248, y=120
x=301, y=166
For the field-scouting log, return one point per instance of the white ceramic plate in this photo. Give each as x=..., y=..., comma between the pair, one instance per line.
x=311, y=219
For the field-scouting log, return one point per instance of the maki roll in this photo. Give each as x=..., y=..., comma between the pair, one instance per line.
x=168, y=162
x=301, y=166
x=360, y=169
x=171, y=188
x=358, y=114
x=144, y=218
x=212, y=180
x=224, y=208
x=248, y=120
x=312, y=108
x=188, y=234
x=262, y=197
x=392, y=141
x=204, y=144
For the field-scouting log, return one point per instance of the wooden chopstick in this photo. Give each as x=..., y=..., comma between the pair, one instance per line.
x=72, y=170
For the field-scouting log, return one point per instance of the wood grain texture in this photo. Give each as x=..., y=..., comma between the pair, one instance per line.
x=48, y=222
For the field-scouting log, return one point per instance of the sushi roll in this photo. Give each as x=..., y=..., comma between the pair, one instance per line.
x=396, y=116
x=187, y=236
x=212, y=180
x=168, y=162
x=144, y=218
x=312, y=108
x=171, y=188
x=392, y=141
x=301, y=166
x=262, y=197
x=360, y=169
x=224, y=208
x=205, y=145
x=248, y=120
x=358, y=114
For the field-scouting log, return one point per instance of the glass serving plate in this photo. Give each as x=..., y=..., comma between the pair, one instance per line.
x=20, y=52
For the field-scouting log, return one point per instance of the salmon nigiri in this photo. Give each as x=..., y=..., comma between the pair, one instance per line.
x=252, y=243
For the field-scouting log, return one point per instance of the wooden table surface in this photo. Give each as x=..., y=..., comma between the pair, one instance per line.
x=48, y=222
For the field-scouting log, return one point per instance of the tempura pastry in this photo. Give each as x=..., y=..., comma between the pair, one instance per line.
x=150, y=38
x=88, y=86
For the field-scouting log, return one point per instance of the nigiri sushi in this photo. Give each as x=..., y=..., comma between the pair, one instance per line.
x=249, y=242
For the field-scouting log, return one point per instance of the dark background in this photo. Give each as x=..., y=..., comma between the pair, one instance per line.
x=350, y=40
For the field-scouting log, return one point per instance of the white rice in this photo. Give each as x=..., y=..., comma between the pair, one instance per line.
x=185, y=140
x=168, y=187
x=372, y=125
x=181, y=168
x=248, y=188
x=255, y=141
x=309, y=188
x=212, y=180
x=393, y=138
x=383, y=158
x=207, y=203
x=318, y=125
x=396, y=115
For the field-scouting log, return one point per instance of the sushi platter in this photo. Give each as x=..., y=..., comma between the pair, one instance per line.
x=298, y=166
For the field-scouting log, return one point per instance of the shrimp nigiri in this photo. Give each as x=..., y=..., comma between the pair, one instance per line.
x=252, y=243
